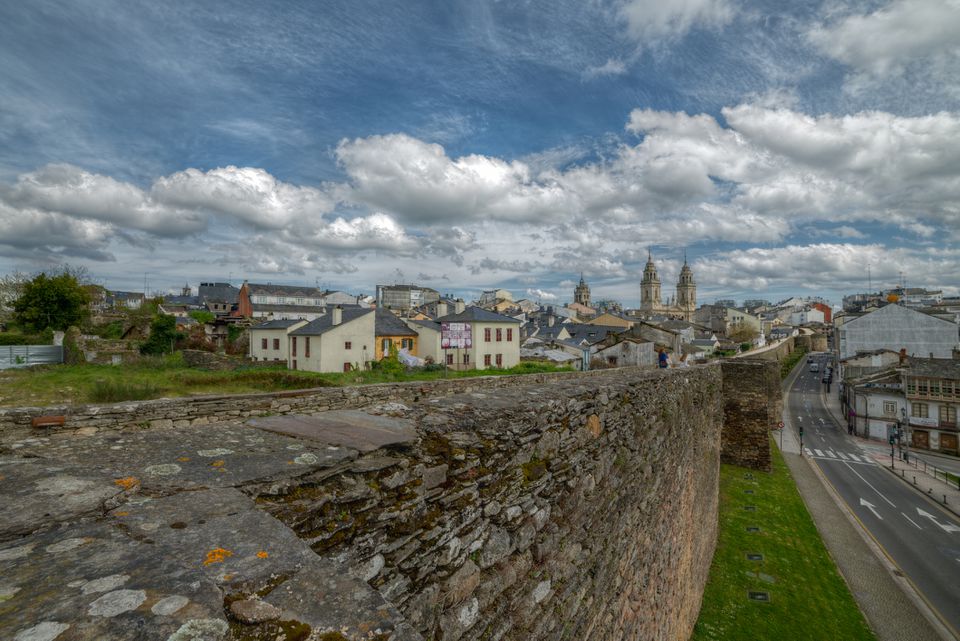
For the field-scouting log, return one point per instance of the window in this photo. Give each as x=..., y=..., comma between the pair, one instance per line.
x=299, y=301
x=294, y=363
x=347, y=367
x=499, y=334
x=486, y=334
x=509, y=334
x=486, y=360
x=263, y=343
x=449, y=359
x=281, y=300
x=276, y=343
x=934, y=388
x=919, y=410
x=407, y=343
x=889, y=408
x=306, y=347
x=911, y=386
x=466, y=358
x=293, y=348
x=922, y=387
x=499, y=360
x=347, y=345
x=385, y=346
x=948, y=415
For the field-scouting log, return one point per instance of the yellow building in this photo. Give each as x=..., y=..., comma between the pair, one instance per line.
x=390, y=330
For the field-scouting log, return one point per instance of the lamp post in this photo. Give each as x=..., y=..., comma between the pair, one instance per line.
x=906, y=444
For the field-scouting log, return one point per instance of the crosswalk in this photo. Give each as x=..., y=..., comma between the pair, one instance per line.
x=837, y=456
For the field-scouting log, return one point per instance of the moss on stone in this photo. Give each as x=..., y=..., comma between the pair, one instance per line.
x=533, y=470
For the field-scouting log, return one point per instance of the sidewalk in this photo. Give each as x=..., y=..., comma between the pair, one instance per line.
x=912, y=473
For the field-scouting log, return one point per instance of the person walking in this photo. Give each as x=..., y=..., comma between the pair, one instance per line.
x=663, y=359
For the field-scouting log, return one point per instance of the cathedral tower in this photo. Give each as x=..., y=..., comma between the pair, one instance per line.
x=686, y=291
x=650, y=286
x=582, y=293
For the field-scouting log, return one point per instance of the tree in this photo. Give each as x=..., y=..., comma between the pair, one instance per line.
x=742, y=333
x=163, y=334
x=11, y=287
x=202, y=316
x=54, y=302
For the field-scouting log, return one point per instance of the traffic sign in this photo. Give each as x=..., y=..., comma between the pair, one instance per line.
x=780, y=425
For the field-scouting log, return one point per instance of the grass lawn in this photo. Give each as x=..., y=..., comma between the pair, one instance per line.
x=807, y=597
x=170, y=377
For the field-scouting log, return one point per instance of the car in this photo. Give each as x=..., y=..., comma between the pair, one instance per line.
x=814, y=367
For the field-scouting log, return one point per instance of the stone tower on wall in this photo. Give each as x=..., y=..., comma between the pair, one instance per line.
x=650, y=301
x=686, y=291
x=581, y=294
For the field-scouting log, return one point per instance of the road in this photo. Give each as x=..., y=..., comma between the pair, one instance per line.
x=921, y=538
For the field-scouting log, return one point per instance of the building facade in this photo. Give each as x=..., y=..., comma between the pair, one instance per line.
x=932, y=390
x=495, y=340
x=268, y=341
x=405, y=297
x=894, y=327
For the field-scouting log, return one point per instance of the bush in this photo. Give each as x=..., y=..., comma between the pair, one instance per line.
x=117, y=391
x=163, y=336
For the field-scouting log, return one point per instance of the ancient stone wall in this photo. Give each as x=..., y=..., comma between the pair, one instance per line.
x=775, y=352
x=752, y=406
x=583, y=508
x=201, y=410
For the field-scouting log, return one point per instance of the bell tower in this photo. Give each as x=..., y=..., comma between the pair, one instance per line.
x=686, y=291
x=581, y=294
x=650, y=286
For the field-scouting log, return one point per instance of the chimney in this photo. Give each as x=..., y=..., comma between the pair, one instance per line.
x=337, y=315
x=459, y=306
x=903, y=355
x=441, y=310
x=550, y=320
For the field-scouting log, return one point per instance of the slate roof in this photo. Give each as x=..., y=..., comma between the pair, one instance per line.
x=255, y=289
x=387, y=324
x=434, y=325
x=283, y=323
x=218, y=292
x=310, y=309
x=476, y=314
x=934, y=367
x=592, y=333
x=325, y=323
x=547, y=332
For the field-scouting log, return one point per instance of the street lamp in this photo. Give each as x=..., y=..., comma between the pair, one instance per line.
x=906, y=444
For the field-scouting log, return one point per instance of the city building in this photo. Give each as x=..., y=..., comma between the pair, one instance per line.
x=268, y=341
x=391, y=331
x=405, y=297
x=495, y=340
x=895, y=327
x=681, y=306
x=340, y=341
x=278, y=302
x=932, y=389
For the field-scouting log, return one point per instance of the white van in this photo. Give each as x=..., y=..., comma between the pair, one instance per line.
x=814, y=367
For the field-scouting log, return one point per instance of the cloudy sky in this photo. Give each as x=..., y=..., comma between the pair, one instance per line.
x=787, y=148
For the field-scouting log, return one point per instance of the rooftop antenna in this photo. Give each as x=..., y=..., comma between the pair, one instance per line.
x=869, y=280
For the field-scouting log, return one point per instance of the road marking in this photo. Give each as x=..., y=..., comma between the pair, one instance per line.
x=807, y=450
x=949, y=527
x=870, y=486
x=831, y=454
x=819, y=453
x=912, y=521
x=870, y=506
x=842, y=455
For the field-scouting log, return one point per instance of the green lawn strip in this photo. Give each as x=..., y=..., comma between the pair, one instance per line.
x=170, y=377
x=808, y=598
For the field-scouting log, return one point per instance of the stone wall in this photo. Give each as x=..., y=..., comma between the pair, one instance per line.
x=775, y=352
x=201, y=410
x=752, y=406
x=552, y=506
x=583, y=508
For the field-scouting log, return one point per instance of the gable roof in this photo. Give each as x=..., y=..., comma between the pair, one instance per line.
x=282, y=323
x=479, y=315
x=592, y=333
x=934, y=367
x=258, y=289
x=387, y=324
x=325, y=323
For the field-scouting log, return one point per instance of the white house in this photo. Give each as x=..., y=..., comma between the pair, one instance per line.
x=894, y=327
x=806, y=315
x=628, y=352
x=268, y=341
x=428, y=344
x=495, y=340
x=339, y=341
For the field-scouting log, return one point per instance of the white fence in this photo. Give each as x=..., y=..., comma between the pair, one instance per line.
x=26, y=355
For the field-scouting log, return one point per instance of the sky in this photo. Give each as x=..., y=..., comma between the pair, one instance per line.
x=807, y=148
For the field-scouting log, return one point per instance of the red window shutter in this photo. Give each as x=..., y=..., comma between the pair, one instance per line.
x=499, y=360
x=499, y=334
x=509, y=334
x=486, y=359
x=348, y=345
x=276, y=343
x=293, y=347
x=449, y=359
x=263, y=343
x=486, y=334
x=306, y=347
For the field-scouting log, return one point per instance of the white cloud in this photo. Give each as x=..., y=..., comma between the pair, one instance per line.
x=612, y=67
x=653, y=21
x=888, y=40
x=541, y=295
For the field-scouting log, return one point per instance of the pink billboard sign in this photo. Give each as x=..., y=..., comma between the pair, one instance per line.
x=455, y=335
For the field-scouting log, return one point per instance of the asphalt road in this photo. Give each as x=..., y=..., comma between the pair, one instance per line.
x=921, y=538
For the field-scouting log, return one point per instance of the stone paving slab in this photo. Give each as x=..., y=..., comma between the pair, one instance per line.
x=347, y=428
x=215, y=455
x=143, y=535
x=38, y=492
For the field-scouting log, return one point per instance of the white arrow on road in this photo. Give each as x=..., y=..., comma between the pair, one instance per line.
x=873, y=508
x=949, y=527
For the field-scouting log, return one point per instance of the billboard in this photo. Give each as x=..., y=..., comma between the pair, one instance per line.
x=455, y=335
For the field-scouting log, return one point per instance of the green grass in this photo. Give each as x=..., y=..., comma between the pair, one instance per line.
x=808, y=598
x=168, y=376
x=790, y=361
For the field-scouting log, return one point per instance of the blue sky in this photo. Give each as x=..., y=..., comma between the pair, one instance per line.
x=469, y=145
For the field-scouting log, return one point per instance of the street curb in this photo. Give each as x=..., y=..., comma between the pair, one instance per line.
x=947, y=507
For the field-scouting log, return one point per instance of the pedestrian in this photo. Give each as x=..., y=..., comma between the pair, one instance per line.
x=663, y=360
